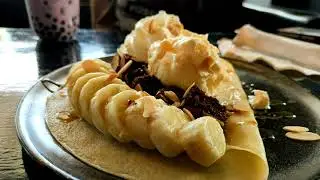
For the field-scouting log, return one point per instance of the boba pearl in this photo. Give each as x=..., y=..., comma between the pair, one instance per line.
x=62, y=11
x=48, y=15
x=62, y=30
x=63, y=38
x=40, y=24
x=54, y=27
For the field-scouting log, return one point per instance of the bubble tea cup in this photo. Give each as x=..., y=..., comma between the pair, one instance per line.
x=54, y=19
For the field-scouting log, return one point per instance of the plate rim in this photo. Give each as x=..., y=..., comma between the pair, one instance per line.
x=29, y=148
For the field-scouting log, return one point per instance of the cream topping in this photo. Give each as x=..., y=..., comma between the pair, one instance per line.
x=149, y=30
x=183, y=60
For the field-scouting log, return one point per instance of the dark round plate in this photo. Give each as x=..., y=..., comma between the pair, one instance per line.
x=288, y=159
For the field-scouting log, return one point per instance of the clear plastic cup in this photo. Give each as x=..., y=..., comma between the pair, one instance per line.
x=54, y=19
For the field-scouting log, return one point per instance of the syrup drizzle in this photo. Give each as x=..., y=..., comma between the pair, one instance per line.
x=268, y=119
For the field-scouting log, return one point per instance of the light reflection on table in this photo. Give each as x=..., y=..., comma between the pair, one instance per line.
x=24, y=58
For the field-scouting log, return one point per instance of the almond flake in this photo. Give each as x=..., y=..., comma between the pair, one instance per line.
x=64, y=115
x=138, y=87
x=164, y=98
x=67, y=116
x=295, y=128
x=62, y=94
x=176, y=104
x=188, y=89
x=188, y=113
x=172, y=96
x=124, y=68
x=303, y=136
x=182, y=103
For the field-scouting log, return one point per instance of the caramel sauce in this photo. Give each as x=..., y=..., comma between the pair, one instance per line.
x=271, y=119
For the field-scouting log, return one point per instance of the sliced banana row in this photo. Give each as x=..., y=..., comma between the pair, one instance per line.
x=128, y=115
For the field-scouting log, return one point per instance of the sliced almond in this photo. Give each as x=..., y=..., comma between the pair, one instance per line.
x=303, y=136
x=158, y=93
x=176, y=104
x=188, y=113
x=138, y=87
x=64, y=115
x=172, y=96
x=164, y=98
x=182, y=103
x=62, y=94
x=124, y=68
x=67, y=116
x=295, y=128
x=188, y=89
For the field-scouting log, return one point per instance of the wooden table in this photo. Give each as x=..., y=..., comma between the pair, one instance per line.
x=23, y=59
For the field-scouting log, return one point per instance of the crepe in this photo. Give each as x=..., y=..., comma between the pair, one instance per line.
x=131, y=134
x=245, y=149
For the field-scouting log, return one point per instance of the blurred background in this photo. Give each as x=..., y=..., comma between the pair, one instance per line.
x=197, y=15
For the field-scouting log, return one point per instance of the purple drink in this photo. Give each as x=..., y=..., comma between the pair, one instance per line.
x=54, y=19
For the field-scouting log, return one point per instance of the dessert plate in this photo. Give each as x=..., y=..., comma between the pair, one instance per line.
x=290, y=105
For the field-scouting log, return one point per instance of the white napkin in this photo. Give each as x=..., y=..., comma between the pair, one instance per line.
x=281, y=53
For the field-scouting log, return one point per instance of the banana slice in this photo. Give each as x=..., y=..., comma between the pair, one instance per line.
x=89, y=90
x=115, y=111
x=138, y=117
x=83, y=68
x=163, y=130
x=99, y=101
x=203, y=140
x=90, y=65
x=78, y=87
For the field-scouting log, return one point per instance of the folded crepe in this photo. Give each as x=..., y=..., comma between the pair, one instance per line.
x=114, y=115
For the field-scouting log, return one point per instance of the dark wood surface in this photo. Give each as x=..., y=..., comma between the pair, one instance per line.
x=23, y=59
